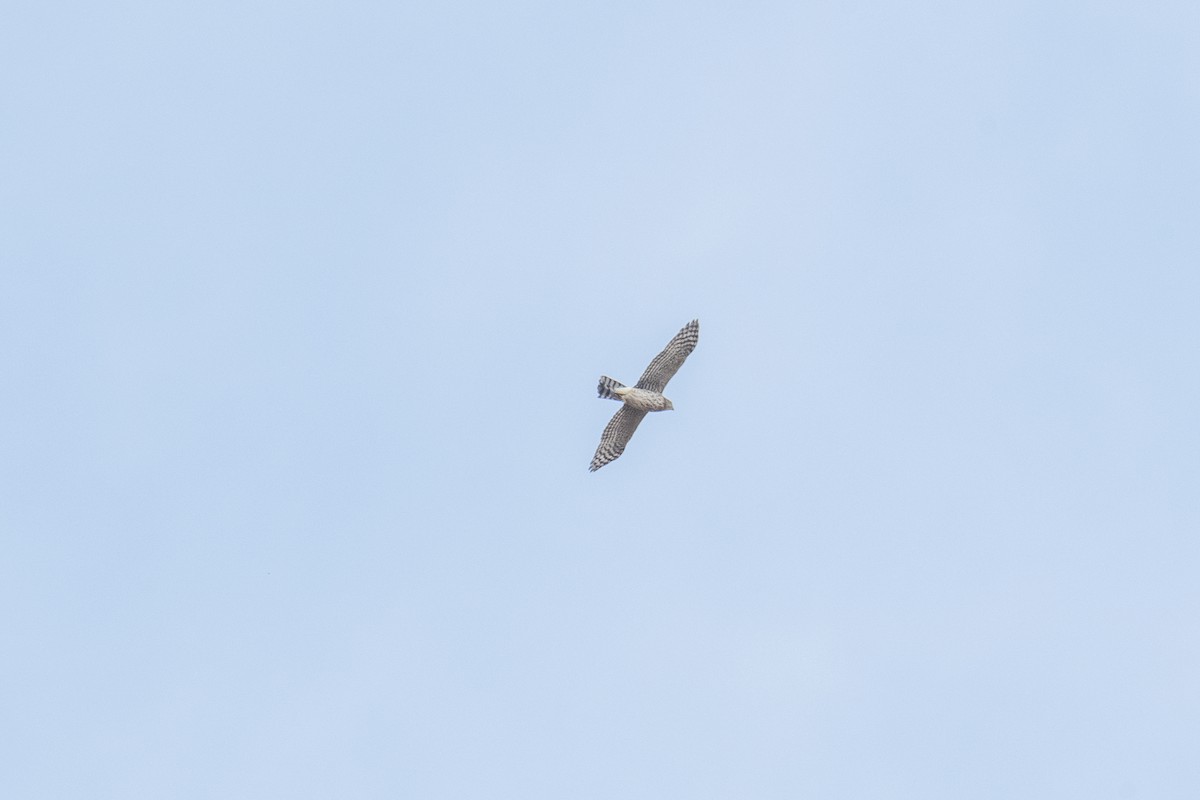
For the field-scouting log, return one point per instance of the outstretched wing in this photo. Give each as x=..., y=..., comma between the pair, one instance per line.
x=616, y=435
x=667, y=363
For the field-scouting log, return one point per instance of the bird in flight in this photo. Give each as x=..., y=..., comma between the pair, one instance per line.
x=645, y=396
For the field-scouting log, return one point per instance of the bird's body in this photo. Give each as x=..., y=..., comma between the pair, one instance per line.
x=643, y=400
x=645, y=397
x=640, y=399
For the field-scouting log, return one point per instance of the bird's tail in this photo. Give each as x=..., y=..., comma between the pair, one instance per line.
x=606, y=387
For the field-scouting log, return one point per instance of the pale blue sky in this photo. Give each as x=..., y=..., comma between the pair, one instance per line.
x=301, y=315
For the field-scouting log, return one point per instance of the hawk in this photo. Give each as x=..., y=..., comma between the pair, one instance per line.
x=643, y=397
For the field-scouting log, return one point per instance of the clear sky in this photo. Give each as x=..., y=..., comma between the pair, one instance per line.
x=302, y=307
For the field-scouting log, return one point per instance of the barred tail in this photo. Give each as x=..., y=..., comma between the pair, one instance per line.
x=606, y=387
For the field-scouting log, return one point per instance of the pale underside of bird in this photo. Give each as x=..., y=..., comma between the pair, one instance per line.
x=644, y=396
